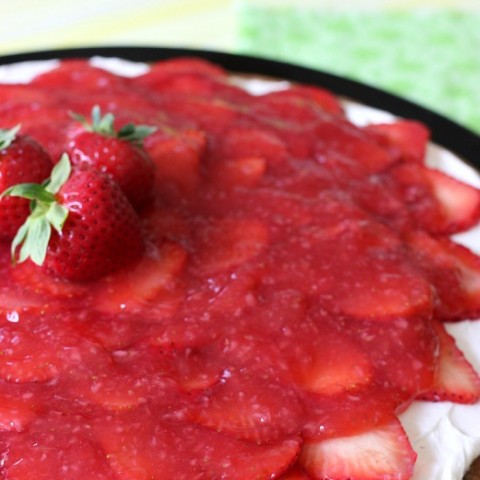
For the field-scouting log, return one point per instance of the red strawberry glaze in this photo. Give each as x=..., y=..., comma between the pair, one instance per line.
x=280, y=310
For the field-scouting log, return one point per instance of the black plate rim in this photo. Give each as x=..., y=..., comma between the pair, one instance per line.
x=445, y=132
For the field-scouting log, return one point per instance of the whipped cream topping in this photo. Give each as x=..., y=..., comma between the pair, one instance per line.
x=445, y=435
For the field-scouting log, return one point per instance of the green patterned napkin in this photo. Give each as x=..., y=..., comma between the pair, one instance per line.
x=431, y=56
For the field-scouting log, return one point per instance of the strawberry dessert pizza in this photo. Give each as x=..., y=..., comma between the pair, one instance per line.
x=198, y=281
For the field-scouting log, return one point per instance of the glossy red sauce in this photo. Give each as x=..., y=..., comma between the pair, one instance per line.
x=286, y=295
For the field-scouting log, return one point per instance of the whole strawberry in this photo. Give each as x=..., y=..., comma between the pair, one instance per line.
x=120, y=154
x=21, y=160
x=81, y=227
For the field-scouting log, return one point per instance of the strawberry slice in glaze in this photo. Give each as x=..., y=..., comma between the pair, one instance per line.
x=251, y=142
x=456, y=380
x=435, y=202
x=167, y=68
x=454, y=273
x=341, y=140
x=378, y=454
x=141, y=448
x=64, y=450
x=177, y=159
x=28, y=356
x=15, y=413
x=331, y=364
x=250, y=408
x=405, y=140
x=460, y=203
x=297, y=105
x=153, y=282
x=227, y=243
x=245, y=172
x=78, y=75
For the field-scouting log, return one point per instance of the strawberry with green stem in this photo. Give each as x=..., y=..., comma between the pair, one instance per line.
x=118, y=153
x=81, y=226
x=22, y=159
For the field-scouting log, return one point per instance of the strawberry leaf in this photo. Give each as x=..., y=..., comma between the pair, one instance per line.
x=46, y=213
x=135, y=133
x=7, y=136
x=36, y=240
x=60, y=173
x=31, y=191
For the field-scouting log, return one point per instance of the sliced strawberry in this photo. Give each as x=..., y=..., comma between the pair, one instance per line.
x=167, y=68
x=25, y=358
x=245, y=171
x=295, y=106
x=453, y=271
x=251, y=142
x=64, y=450
x=456, y=380
x=195, y=368
x=386, y=292
x=435, y=202
x=228, y=243
x=341, y=140
x=365, y=272
x=196, y=85
x=145, y=446
x=460, y=203
x=151, y=282
x=15, y=414
x=406, y=140
x=332, y=365
x=322, y=98
x=177, y=159
x=199, y=114
x=15, y=94
x=409, y=338
x=250, y=408
x=78, y=75
x=378, y=454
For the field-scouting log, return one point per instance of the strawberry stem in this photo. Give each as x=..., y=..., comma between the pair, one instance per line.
x=7, y=136
x=34, y=235
x=103, y=125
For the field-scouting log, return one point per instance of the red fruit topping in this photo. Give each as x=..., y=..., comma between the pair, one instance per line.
x=118, y=154
x=171, y=67
x=229, y=243
x=406, y=140
x=22, y=160
x=332, y=365
x=267, y=312
x=459, y=202
x=68, y=452
x=15, y=414
x=381, y=453
x=189, y=451
x=454, y=273
x=151, y=283
x=296, y=473
x=177, y=160
x=79, y=75
x=250, y=408
x=455, y=380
